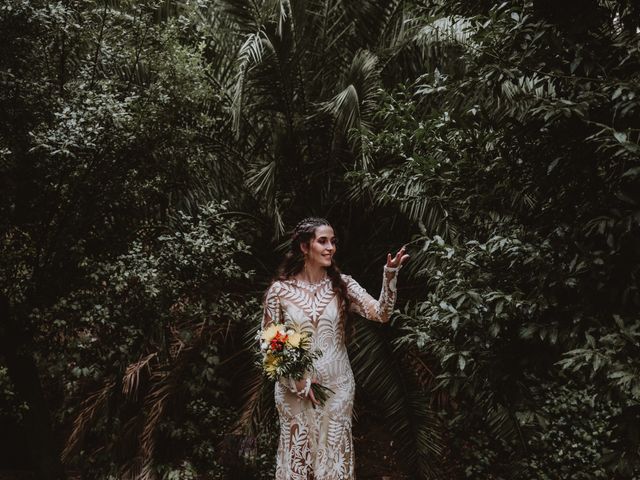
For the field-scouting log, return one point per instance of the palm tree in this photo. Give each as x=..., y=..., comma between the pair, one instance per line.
x=308, y=78
x=307, y=75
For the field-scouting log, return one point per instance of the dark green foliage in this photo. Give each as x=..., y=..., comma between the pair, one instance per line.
x=166, y=305
x=393, y=391
x=522, y=175
x=108, y=132
x=154, y=154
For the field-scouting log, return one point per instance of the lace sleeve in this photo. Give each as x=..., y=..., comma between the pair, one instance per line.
x=365, y=305
x=272, y=313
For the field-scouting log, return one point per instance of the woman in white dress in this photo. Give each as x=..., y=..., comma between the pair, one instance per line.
x=315, y=441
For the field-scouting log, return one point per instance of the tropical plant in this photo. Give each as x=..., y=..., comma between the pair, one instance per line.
x=521, y=175
x=307, y=74
x=102, y=139
x=168, y=305
x=501, y=139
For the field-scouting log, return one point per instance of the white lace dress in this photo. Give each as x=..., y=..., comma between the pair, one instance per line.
x=316, y=443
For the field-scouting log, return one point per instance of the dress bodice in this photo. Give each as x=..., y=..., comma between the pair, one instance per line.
x=305, y=303
x=317, y=308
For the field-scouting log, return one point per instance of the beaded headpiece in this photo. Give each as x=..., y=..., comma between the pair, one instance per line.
x=306, y=225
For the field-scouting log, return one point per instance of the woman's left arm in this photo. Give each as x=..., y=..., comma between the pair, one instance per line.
x=364, y=304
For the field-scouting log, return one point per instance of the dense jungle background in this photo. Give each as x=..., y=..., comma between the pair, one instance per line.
x=154, y=155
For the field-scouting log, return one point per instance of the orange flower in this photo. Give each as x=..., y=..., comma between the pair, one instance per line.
x=278, y=341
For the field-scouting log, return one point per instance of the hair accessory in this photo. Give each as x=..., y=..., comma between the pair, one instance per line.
x=305, y=226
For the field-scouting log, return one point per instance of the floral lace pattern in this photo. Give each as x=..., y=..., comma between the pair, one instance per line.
x=317, y=443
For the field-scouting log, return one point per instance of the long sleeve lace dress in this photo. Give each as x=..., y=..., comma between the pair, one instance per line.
x=316, y=443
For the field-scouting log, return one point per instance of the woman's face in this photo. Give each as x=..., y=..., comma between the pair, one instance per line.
x=321, y=248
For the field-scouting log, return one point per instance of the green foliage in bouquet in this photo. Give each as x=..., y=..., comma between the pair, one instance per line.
x=286, y=354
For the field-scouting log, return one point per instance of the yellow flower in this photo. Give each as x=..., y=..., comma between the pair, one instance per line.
x=270, y=332
x=271, y=363
x=294, y=339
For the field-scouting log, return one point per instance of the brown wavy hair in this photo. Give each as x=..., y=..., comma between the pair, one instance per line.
x=293, y=262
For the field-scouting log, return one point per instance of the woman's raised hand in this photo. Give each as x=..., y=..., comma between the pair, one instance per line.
x=398, y=259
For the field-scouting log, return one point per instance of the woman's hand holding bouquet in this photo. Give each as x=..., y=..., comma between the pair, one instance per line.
x=286, y=353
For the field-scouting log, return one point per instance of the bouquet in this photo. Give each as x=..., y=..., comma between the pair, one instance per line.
x=286, y=352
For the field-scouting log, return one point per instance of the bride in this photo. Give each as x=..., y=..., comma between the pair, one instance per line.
x=316, y=443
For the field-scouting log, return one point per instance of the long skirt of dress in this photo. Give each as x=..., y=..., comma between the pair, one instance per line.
x=316, y=443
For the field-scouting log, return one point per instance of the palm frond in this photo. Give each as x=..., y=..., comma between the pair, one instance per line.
x=165, y=385
x=345, y=107
x=90, y=408
x=358, y=98
x=408, y=415
x=257, y=407
x=278, y=221
x=411, y=192
x=501, y=420
x=250, y=53
x=354, y=105
x=283, y=15
x=257, y=410
x=457, y=30
x=370, y=18
x=244, y=13
x=131, y=379
x=262, y=180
